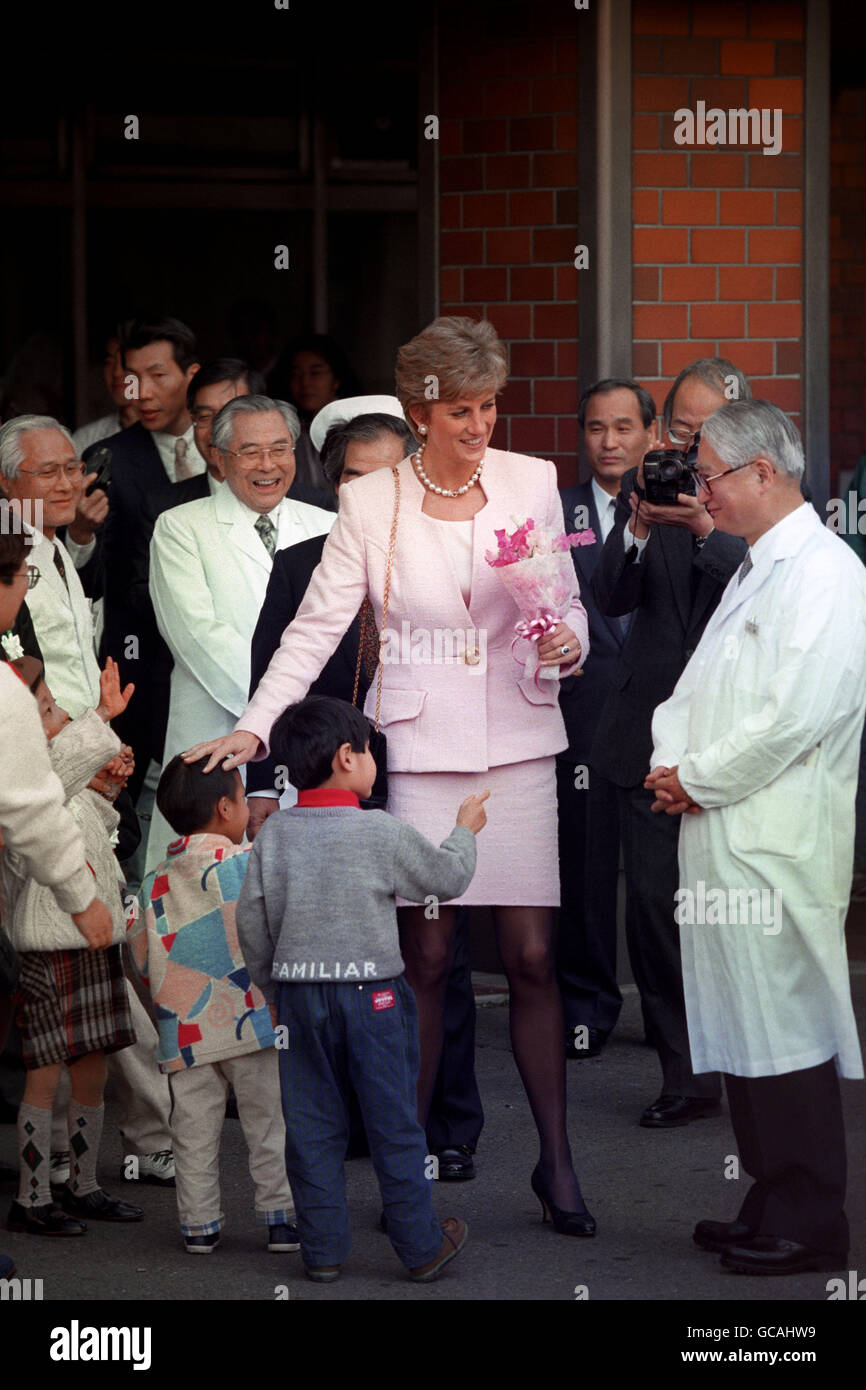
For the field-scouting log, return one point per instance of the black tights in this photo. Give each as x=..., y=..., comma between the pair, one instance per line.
x=524, y=936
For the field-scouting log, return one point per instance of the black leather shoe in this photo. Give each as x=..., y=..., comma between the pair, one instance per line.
x=719, y=1235
x=669, y=1111
x=774, y=1255
x=47, y=1220
x=98, y=1206
x=455, y=1165
x=595, y=1041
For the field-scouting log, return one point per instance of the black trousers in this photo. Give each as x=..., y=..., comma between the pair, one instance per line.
x=588, y=872
x=791, y=1137
x=456, y=1116
x=649, y=843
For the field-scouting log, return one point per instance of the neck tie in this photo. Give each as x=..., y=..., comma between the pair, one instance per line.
x=182, y=470
x=268, y=533
x=745, y=567
x=59, y=565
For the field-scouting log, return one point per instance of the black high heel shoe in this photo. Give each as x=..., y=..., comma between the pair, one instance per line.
x=565, y=1223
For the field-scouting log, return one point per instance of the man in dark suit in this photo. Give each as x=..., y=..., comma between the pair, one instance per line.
x=668, y=567
x=160, y=360
x=357, y=444
x=617, y=418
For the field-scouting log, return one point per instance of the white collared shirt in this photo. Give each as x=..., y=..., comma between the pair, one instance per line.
x=605, y=505
x=166, y=444
x=63, y=622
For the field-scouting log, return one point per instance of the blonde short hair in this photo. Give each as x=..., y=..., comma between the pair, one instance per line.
x=450, y=358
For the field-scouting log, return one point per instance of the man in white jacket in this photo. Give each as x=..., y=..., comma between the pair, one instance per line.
x=210, y=562
x=758, y=744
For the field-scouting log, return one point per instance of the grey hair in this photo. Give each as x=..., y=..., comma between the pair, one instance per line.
x=224, y=420
x=742, y=431
x=12, y=452
x=717, y=373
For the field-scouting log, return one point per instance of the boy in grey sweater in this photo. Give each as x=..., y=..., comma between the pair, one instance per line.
x=317, y=925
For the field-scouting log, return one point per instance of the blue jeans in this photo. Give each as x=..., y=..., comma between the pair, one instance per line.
x=367, y=1035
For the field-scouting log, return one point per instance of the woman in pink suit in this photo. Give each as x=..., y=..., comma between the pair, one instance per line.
x=459, y=714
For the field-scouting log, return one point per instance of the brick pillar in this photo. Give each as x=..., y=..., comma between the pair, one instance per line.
x=717, y=230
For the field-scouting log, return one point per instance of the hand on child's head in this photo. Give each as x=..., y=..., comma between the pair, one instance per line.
x=472, y=813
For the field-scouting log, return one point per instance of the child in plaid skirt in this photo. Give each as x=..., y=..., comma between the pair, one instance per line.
x=72, y=1004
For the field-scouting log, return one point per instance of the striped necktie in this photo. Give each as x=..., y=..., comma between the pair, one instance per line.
x=745, y=567
x=182, y=470
x=268, y=533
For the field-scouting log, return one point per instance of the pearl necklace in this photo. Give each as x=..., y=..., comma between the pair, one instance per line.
x=445, y=491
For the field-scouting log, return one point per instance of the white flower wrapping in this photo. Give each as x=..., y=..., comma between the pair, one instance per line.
x=543, y=586
x=12, y=646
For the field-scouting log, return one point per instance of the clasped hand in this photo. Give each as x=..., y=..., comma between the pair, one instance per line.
x=671, y=797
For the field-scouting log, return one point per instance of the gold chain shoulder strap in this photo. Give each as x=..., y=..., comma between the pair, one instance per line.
x=385, y=601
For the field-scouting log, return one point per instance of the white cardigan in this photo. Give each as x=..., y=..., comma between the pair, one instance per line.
x=33, y=819
x=34, y=917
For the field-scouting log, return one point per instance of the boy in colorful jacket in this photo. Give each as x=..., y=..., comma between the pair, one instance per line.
x=215, y=1027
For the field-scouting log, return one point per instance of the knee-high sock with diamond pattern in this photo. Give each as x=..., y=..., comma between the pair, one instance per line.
x=34, y=1155
x=85, y=1133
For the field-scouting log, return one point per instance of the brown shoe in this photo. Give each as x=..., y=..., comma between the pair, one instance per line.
x=455, y=1232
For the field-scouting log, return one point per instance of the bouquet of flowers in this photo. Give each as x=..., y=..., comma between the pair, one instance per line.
x=535, y=565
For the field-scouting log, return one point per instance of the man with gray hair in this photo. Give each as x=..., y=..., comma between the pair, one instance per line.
x=210, y=561
x=757, y=745
x=667, y=567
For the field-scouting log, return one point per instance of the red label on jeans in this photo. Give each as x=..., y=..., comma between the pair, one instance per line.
x=383, y=999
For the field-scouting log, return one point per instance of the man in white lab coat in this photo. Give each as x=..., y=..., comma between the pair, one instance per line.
x=210, y=561
x=758, y=744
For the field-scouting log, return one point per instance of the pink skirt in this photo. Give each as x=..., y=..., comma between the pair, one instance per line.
x=518, y=863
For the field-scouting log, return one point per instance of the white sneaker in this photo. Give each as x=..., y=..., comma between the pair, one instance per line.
x=59, y=1168
x=155, y=1168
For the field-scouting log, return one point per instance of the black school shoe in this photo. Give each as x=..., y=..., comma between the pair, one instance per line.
x=47, y=1220
x=455, y=1163
x=98, y=1206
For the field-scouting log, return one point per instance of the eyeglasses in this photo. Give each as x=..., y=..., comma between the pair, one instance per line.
x=681, y=437
x=202, y=415
x=74, y=472
x=251, y=454
x=704, y=480
x=31, y=573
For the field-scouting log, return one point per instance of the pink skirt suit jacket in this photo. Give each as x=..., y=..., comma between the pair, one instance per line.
x=454, y=725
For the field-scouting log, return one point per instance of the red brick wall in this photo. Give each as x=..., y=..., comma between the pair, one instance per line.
x=717, y=230
x=847, y=281
x=509, y=216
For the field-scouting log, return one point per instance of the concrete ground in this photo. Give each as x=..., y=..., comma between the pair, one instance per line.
x=645, y=1187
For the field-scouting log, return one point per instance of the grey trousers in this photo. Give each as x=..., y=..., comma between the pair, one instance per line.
x=198, y=1111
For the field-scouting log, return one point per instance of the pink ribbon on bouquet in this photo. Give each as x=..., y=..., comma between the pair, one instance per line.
x=532, y=631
